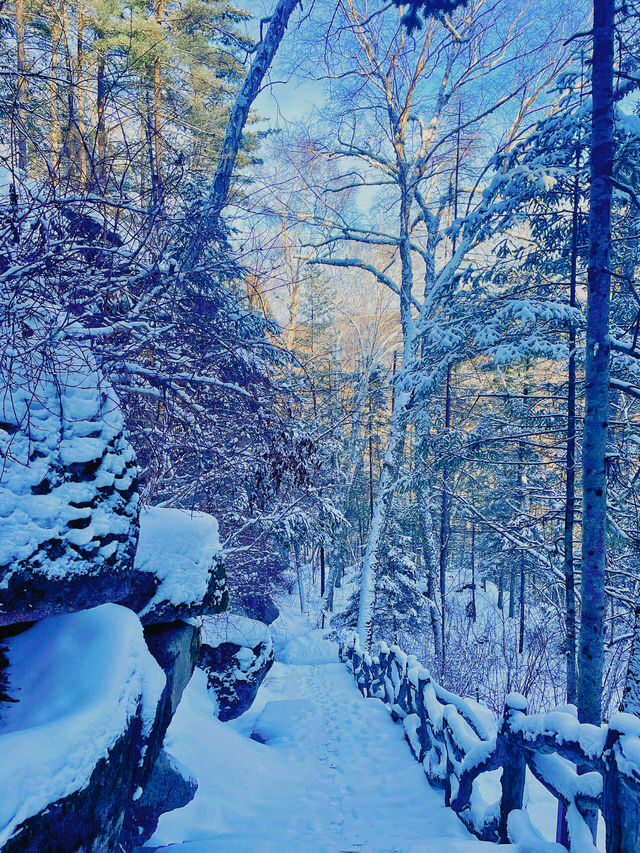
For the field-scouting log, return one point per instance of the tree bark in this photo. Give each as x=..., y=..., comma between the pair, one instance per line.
x=240, y=111
x=631, y=698
x=402, y=401
x=82, y=140
x=591, y=652
x=158, y=8
x=570, y=463
x=299, y=576
x=54, y=129
x=101, y=128
x=444, y=520
x=474, y=612
x=522, y=592
x=21, y=68
x=433, y=586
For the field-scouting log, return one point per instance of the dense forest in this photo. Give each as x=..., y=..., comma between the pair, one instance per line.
x=360, y=278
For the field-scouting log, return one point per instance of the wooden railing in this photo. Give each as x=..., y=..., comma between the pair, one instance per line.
x=586, y=768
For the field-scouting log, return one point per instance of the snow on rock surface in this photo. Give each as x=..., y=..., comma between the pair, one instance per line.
x=182, y=551
x=236, y=653
x=68, y=504
x=80, y=679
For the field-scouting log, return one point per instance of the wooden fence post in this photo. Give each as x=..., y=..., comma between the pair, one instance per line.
x=514, y=766
x=621, y=794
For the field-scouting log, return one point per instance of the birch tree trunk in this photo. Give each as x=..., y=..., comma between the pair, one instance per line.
x=433, y=587
x=299, y=576
x=402, y=400
x=445, y=524
x=591, y=652
x=381, y=510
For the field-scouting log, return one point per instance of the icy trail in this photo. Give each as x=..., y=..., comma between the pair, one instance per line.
x=333, y=773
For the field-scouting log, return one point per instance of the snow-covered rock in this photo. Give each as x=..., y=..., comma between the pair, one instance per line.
x=236, y=653
x=170, y=786
x=175, y=647
x=181, y=551
x=88, y=695
x=68, y=501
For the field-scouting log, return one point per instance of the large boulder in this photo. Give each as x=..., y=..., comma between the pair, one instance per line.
x=181, y=551
x=170, y=786
x=236, y=653
x=175, y=649
x=75, y=742
x=68, y=501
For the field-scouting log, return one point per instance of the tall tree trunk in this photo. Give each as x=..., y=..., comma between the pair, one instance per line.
x=21, y=68
x=522, y=590
x=54, y=127
x=512, y=591
x=474, y=610
x=299, y=576
x=402, y=401
x=158, y=9
x=370, y=442
x=631, y=698
x=240, y=111
x=570, y=462
x=71, y=143
x=431, y=569
x=596, y=422
x=82, y=131
x=381, y=509
x=444, y=519
x=101, y=127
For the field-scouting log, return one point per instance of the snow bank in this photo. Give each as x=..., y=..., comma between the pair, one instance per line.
x=79, y=679
x=179, y=548
x=311, y=648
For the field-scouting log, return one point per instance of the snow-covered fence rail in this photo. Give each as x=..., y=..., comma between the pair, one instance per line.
x=586, y=768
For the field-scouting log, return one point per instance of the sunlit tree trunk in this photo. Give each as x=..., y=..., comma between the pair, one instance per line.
x=397, y=428
x=54, y=127
x=82, y=134
x=158, y=9
x=21, y=68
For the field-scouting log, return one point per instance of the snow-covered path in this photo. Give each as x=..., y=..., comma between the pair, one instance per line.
x=333, y=773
